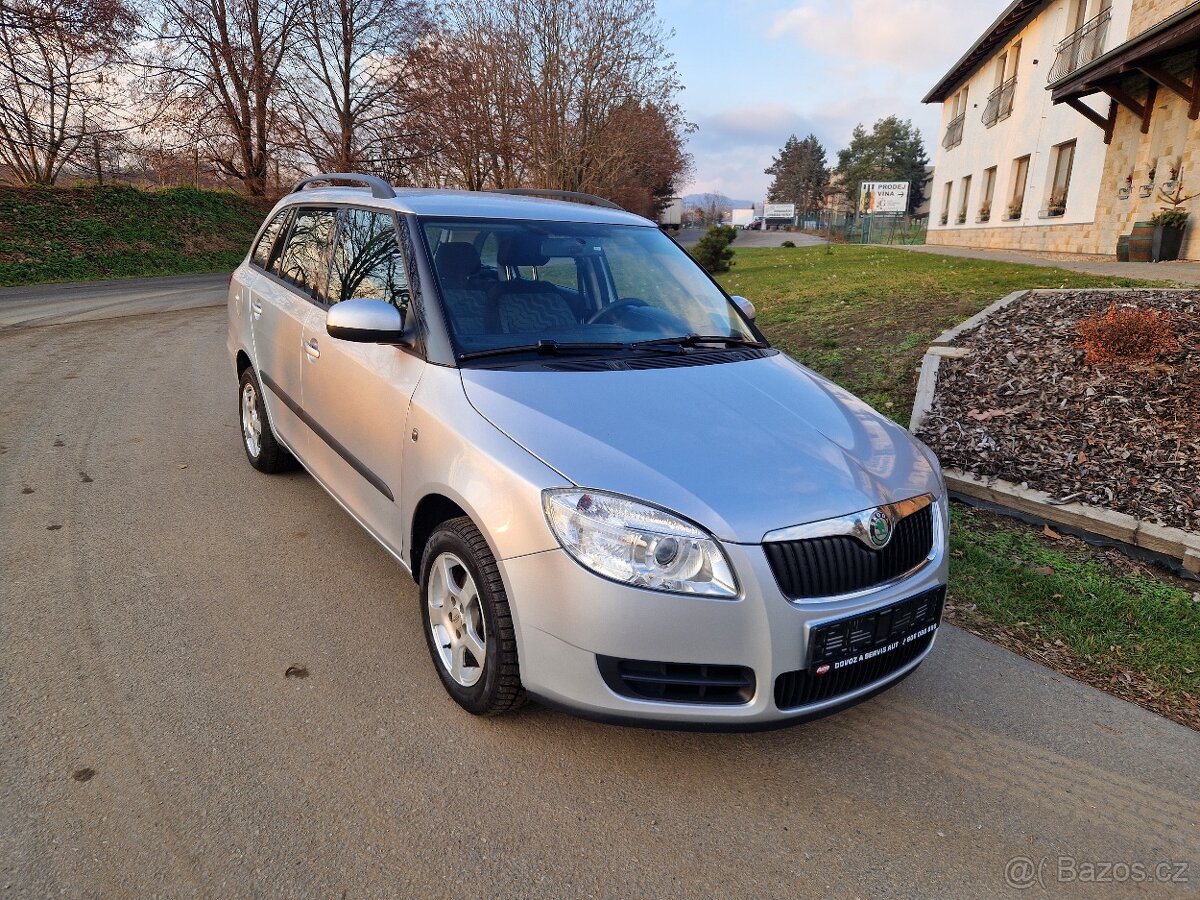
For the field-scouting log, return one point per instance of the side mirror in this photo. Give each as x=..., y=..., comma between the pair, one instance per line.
x=367, y=322
x=746, y=307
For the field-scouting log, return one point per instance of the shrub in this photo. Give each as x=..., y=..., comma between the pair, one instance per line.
x=788, y=244
x=713, y=250
x=1170, y=218
x=1125, y=336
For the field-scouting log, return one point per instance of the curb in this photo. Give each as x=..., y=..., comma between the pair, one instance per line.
x=1176, y=543
x=1160, y=539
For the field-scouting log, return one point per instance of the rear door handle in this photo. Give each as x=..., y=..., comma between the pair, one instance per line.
x=256, y=308
x=311, y=348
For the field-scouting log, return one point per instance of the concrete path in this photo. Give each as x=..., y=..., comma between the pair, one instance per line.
x=156, y=588
x=1185, y=271
x=81, y=301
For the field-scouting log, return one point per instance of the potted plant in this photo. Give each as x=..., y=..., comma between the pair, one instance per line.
x=985, y=212
x=1058, y=204
x=945, y=218
x=1169, y=223
x=1148, y=188
x=962, y=217
x=1168, y=186
x=1014, y=210
x=1126, y=192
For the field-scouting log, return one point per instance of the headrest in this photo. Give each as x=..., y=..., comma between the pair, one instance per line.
x=521, y=250
x=456, y=261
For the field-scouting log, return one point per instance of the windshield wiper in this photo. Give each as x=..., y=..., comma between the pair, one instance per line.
x=691, y=340
x=545, y=348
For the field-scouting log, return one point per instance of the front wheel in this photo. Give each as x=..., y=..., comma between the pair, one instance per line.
x=468, y=624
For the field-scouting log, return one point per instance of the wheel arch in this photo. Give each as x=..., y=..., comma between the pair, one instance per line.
x=431, y=511
x=242, y=362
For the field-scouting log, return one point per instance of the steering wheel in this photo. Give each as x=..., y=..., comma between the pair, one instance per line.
x=613, y=310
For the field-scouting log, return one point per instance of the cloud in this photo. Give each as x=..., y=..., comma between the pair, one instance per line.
x=903, y=35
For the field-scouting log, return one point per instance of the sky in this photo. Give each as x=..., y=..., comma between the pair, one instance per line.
x=756, y=71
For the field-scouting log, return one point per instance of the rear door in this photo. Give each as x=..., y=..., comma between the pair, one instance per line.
x=283, y=296
x=358, y=394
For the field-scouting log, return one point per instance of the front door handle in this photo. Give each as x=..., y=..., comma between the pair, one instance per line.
x=311, y=348
x=256, y=308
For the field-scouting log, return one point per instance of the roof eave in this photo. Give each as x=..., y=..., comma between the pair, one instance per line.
x=997, y=32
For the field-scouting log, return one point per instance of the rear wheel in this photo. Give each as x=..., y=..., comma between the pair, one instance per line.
x=262, y=449
x=468, y=624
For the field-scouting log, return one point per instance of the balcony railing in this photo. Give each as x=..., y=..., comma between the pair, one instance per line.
x=1000, y=103
x=1081, y=47
x=954, y=132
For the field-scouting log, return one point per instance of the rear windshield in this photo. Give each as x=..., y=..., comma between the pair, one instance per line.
x=511, y=283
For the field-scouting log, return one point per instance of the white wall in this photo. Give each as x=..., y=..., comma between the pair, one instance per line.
x=1035, y=127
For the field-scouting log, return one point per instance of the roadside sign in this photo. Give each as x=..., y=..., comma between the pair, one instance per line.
x=779, y=210
x=883, y=197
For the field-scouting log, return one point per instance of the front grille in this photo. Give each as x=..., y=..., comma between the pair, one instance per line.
x=853, y=653
x=841, y=564
x=677, y=682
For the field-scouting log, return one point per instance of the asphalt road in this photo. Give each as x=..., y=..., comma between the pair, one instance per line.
x=83, y=301
x=155, y=589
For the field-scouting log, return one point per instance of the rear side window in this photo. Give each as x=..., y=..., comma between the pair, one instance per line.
x=267, y=241
x=304, y=259
x=367, y=262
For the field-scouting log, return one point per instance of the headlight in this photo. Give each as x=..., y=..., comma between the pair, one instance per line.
x=637, y=544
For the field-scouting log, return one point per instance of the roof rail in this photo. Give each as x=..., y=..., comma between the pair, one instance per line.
x=380, y=189
x=573, y=196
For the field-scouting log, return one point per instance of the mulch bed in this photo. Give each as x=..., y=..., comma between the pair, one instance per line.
x=1024, y=407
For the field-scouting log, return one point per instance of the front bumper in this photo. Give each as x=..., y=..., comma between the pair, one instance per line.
x=567, y=616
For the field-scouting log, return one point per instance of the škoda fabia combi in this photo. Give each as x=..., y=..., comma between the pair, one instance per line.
x=614, y=494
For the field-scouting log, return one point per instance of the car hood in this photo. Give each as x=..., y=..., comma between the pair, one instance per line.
x=741, y=448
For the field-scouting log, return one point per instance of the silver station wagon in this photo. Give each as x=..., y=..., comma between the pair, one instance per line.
x=615, y=496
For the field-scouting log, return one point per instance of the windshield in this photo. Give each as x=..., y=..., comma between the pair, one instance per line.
x=513, y=283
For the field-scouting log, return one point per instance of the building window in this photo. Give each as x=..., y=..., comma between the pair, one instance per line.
x=946, y=202
x=958, y=116
x=999, y=104
x=1064, y=158
x=1020, y=174
x=1084, y=41
x=962, y=200
x=989, y=190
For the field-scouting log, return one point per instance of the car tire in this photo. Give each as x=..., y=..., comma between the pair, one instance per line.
x=258, y=440
x=466, y=614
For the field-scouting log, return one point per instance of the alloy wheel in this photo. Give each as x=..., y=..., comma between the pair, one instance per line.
x=456, y=620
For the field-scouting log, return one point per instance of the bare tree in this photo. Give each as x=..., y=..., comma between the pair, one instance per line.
x=57, y=71
x=220, y=63
x=349, y=91
x=565, y=94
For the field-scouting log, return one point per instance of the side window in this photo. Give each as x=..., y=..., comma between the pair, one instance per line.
x=367, y=260
x=303, y=260
x=270, y=236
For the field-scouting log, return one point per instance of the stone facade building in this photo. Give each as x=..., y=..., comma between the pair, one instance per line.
x=1090, y=111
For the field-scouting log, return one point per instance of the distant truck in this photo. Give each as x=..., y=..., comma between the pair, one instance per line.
x=671, y=218
x=742, y=217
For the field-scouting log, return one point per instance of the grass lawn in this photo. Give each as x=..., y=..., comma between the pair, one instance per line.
x=864, y=316
x=87, y=232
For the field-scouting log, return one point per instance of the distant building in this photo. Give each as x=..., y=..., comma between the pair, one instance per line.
x=1061, y=124
x=922, y=210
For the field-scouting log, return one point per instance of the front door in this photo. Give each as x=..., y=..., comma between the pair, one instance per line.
x=358, y=394
x=280, y=300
